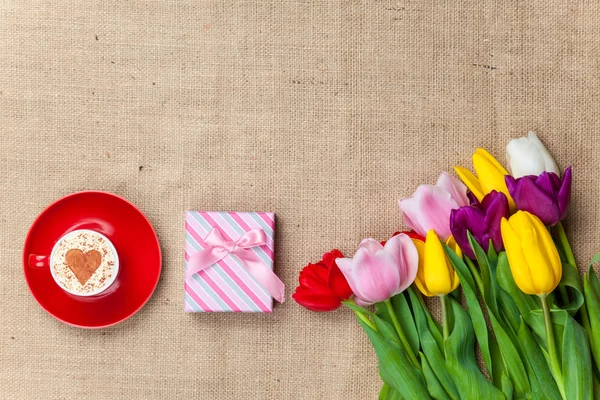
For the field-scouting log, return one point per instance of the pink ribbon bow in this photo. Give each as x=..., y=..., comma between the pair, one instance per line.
x=219, y=248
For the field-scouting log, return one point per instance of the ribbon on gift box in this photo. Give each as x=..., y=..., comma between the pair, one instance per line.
x=219, y=248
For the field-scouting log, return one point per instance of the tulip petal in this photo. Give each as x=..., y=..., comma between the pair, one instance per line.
x=456, y=248
x=371, y=245
x=420, y=278
x=516, y=259
x=491, y=174
x=322, y=285
x=337, y=283
x=511, y=184
x=495, y=205
x=412, y=235
x=564, y=194
x=529, y=197
x=436, y=271
x=372, y=277
x=536, y=254
x=378, y=276
x=414, y=226
x=347, y=267
x=456, y=188
x=548, y=248
x=549, y=164
x=548, y=182
x=429, y=208
x=465, y=219
x=534, y=261
x=314, y=277
x=330, y=256
x=490, y=159
x=362, y=302
x=406, y=257
x=455, y=281
x=524, y=158
x=315, y=301
x=471, y=181
x=473, y=201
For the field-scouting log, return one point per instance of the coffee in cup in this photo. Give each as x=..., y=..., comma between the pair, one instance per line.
x=84, y=262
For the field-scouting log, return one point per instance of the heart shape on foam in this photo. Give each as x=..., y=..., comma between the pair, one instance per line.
x=83, y=264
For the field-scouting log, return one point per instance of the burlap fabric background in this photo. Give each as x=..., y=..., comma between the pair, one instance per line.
x=324, y=112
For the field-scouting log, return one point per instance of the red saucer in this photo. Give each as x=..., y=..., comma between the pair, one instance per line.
x=131, y=234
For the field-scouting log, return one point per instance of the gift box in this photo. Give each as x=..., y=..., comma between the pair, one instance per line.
x=229, y=262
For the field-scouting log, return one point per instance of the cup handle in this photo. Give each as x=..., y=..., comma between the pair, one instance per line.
x=38, y=261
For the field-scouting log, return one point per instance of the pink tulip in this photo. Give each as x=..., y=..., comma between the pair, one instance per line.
x=430, y=206
x=377, y=272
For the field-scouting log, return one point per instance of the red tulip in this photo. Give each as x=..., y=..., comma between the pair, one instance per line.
x=322, y=287
x=410, y=234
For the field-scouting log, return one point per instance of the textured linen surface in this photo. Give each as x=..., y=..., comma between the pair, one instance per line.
x=324, y=112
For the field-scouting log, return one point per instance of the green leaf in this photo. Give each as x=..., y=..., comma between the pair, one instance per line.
x=475, y=311
x=394, y=366
x=405, y=319
x=389, y=393
x=461, y=362
x=543, y=385
x=505, y=335
x=386, y=330
x=571, y=280
x=455, y=293
x=355, y=307
x=492, y=255
x=382, y=312
x=596, y=388
x=433, y=385
x=474, y=272
x=434, y=326
x=595, y=284
x=506, y=385
x=512, y=360
x=497, y=364
x=509, y=310
x=525, y=303
x=576, y=362
x=487, y=275
x=431, y=350
x=591, y=290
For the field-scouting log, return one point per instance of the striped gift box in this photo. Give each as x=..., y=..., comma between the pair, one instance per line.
x=227, y=286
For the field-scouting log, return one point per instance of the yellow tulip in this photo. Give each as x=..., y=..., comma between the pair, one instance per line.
x=532, y=255
x=490, y=176
x=435, y=275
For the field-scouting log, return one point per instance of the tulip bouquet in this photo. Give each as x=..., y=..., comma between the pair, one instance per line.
x=492, y=252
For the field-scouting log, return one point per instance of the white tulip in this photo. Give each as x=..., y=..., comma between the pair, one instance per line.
x=528, y=156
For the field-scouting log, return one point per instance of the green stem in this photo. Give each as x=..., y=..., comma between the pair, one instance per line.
x=564, y=241
x=551, y=344
x=401, y=335
x=445, y=328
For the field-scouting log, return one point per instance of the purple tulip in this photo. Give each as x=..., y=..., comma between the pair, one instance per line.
x=482, y=220
x=546, y=196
